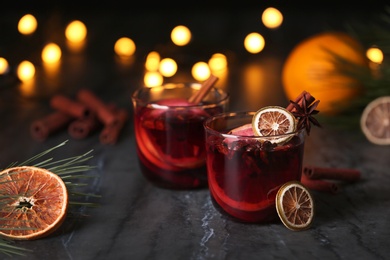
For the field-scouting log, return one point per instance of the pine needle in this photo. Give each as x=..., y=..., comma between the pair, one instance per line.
x=28, y=161
x=8, y=249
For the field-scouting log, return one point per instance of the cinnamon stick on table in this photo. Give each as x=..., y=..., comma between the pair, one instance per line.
x=41, y=128
x=83, y=127
x=97, y=106
x=340, y=174
x=69, y=106
x=320, y=185
x=111, y=132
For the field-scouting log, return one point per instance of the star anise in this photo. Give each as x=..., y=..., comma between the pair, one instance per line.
x=304, y=113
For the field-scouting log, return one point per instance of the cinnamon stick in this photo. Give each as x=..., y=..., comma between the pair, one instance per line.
x=97, y=106
x=341, y=174
x=320, y=185
x=40, y=129
x=197, y=97
x=69, y=106
x=299, y=99
x=111, y=132
x=83, y=127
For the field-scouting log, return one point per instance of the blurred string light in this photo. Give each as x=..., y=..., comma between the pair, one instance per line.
x=76, y=31
x=152, y=62
x=124, y=47
x=375, y=55
x=75, y=34
x=51, y=53
x=27, y=24
x=153, y=79
x=168, y=67
x=272, y=18
x=218, y=65
x=217, y=62
x=254, y=42
x=4, y=67
x=200, y=71
x=181, y=35
x=25, y=71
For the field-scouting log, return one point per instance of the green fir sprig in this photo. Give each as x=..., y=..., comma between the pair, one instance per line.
x=374, y=80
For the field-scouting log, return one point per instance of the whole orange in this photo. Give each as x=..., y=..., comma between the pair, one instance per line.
x=313, y=65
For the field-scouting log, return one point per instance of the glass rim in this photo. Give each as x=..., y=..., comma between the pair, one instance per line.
x=207, y=122
x=224, y=96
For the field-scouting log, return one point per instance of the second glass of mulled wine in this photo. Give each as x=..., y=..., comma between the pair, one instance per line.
x=245, y=171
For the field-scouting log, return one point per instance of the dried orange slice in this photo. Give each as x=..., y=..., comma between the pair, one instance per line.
x=375, y=121
x=295, y=206
x=274, y=121
x=33, y=202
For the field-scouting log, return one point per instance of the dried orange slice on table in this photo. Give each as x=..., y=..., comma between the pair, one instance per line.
x=375, y=121
x=274, y=121
x=33, y=202
x=295, y=206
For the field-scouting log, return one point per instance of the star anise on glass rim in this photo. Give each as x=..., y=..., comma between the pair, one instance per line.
x=304, y=113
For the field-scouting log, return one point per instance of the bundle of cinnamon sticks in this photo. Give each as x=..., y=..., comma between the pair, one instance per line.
x=81, y=117
x=328, y=180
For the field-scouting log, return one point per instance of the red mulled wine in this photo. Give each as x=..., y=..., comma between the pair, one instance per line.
x=245, y=172
x=170, y=135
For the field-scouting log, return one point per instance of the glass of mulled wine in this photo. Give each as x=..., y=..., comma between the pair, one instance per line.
x=170, y=138
x=246, y=171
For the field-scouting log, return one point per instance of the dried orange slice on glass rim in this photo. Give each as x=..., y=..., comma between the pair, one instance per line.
x=295, y=206
x=274, y=121
x=375, y=121
x=33, y=200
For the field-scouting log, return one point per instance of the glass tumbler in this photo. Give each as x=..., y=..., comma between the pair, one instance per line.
x=245, y=172
x=170, y=137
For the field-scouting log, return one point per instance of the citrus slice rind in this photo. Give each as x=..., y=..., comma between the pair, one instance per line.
x=295, y=206
x=375, y=121
x=33, y=202
x=275, y=123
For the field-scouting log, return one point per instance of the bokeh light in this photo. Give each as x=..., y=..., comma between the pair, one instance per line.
x=217, y=62
x=26, y=70
x=168, y=67
x=124, y=47
x=153, y=79
x=254, y=42
x=152, y=62
x=200, y=71
x=374, y=54
x=76, y=31
x=181, y=35
x=272, y=17
x=51, y=53
x=4, y=66
x=27, y=24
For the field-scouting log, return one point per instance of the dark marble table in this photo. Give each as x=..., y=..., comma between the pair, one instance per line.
x=136, y=220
